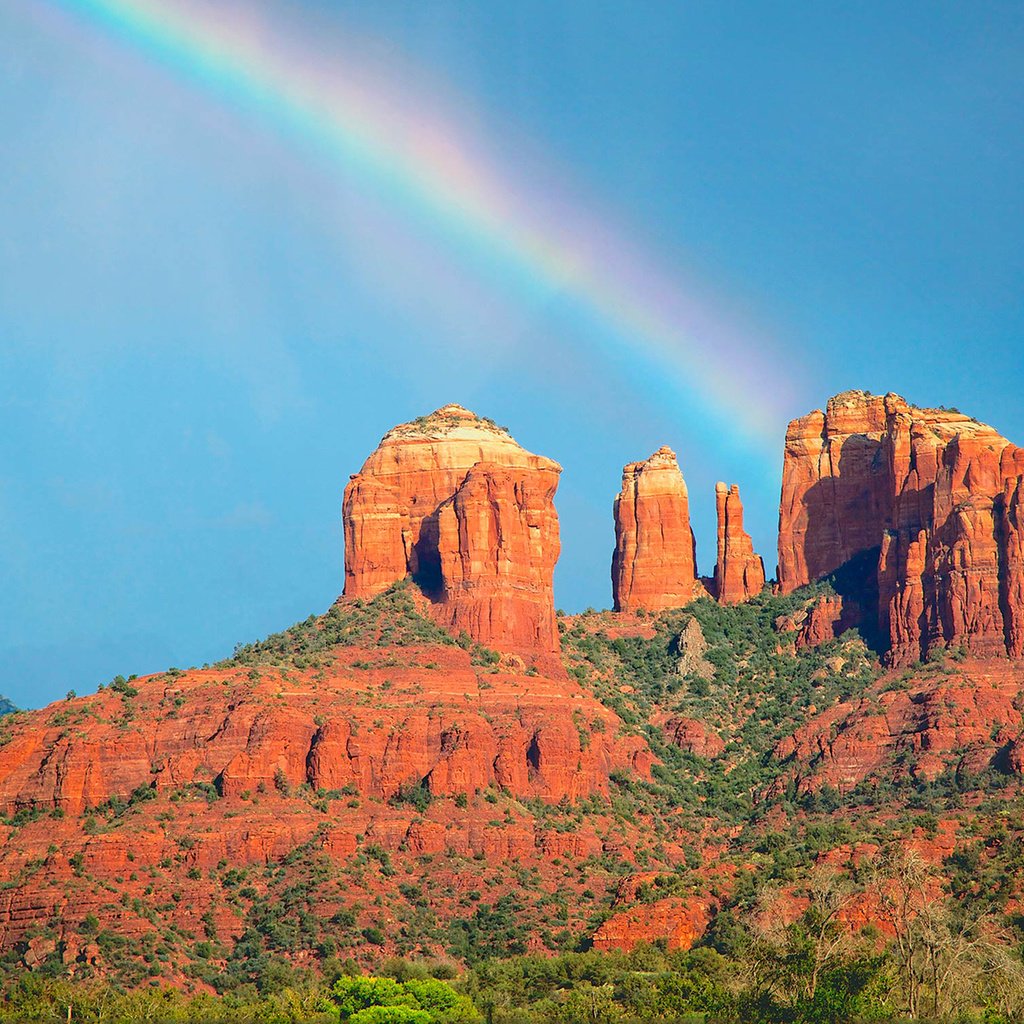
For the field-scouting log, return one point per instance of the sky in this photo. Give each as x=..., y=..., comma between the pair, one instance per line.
x=239, y=241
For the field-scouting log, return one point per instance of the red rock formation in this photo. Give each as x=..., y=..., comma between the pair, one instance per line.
x=1012, y=472
x=827, y=618
x=451, y=500
x=498, y=543
x=944, y=572
x=676, y=920
x=365, y=725
x=934, y=491
x=739, y=572
x=931, y=724
x=691, y=735
x=836, y=489
x=654, y=564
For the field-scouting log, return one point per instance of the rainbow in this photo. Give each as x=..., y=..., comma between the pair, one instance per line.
x=427, y=167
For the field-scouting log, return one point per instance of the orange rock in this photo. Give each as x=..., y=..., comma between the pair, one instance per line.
x=336, y=757
x=829, y=617
x=937, y=722
x=739, y=572
x=836, y=490
x=691, y=735
x=654, y=564
x=941, y=574
x=678, y=921
x=936, y=493
x=497, y=539
x=1013, y=551
x=451, y=500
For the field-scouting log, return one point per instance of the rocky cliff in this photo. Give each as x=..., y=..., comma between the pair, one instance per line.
x=451, y=501
x=935, y=492
x=960, y=720
x=836, y=487
x=739, y=571
x=654, y=563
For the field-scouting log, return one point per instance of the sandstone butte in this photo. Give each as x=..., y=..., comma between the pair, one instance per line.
x=453, y=502
x=739, y=571
x=927, y=502
x=654, y=565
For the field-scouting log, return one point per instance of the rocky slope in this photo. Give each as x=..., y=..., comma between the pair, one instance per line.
x=363, y=733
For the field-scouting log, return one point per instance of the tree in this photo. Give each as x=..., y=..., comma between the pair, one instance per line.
x=828, y=937
x=362, y=1000
x=938, y=943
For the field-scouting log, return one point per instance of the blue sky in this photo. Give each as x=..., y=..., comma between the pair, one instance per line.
x=205, y=325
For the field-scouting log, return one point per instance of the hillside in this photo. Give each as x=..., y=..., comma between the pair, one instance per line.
x=441, y=766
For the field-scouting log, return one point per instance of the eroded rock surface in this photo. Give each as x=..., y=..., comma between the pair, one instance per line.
x=654, y=564
x=452, y=501
x=936, y=493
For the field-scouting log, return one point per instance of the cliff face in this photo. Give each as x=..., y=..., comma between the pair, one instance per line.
x=836, y=488
x=654, y=564
x=498, y=543
x=739, y=572
x=935, y=492
x=433, y=721
x=675, y=921
x=453, y=502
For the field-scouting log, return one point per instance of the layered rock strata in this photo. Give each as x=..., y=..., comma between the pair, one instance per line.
x=739, y=572
x=936, y=492
x=654, y=563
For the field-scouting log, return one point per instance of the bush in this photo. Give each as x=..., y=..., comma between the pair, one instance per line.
x=367, y=1000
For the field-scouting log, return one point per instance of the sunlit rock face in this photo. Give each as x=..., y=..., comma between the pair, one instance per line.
x=654, y=564
x=739, y=572
x=452, y=501
x=936, y=492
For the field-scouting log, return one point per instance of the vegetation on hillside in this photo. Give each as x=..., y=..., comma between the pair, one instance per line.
x=389, y=620
x=943, y=944
x=760, y=689
x=938, y=953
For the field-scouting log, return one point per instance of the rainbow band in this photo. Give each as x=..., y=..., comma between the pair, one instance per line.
x=422, y=165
